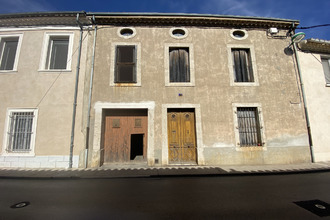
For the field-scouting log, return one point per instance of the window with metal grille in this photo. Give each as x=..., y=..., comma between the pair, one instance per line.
x=57, y=55
x=125, y=71
x=326, y=69
x=242, y=65
x=179, y=65
x=249, y=126
x=8, y=48
x=20, y=131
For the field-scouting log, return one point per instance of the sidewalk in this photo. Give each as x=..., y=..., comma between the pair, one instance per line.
x=169, y=171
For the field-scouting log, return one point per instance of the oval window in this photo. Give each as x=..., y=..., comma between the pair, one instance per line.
x=126, y=32
x=178, y=33
x=239, y=34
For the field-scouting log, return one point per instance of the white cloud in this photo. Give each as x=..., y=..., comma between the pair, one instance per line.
x=16, y=6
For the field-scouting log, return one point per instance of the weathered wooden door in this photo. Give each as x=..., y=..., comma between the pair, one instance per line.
x=124, y=131
x=181, y=137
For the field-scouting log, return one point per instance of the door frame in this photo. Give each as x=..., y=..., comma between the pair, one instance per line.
x=97, y=137
x=198, y=130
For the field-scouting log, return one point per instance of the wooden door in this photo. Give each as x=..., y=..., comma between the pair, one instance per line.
x=181, y=137
x=120, y=129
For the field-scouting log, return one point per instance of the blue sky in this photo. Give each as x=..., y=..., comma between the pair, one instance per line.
x=309, y=12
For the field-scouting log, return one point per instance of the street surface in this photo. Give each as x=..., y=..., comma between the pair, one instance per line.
x=221, y=197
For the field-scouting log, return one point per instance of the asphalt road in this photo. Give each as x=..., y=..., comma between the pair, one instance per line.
x=223, y=197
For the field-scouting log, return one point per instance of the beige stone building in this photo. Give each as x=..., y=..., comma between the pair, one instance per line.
x=180, y=89
x=39, y=55
x=314, y=57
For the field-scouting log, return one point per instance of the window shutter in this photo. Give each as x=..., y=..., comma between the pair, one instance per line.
x=179, y=65
x=125, y=71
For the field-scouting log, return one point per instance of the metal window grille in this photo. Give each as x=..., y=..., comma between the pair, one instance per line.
x=249, y=126
x=20, y=131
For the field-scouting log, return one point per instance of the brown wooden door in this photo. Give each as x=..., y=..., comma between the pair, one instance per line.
x=120, y=129
x=181, y=137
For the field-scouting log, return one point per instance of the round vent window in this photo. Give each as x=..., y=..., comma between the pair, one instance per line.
x=179, y=33
x=239, y=34
x=126, y=32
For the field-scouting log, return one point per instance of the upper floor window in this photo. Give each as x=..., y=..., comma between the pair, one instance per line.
x=179, y=69
x=20, y=130
x=179, y=33
x=9, y=50
x=243, y=71
x=242, y=65
x=326, y=69
x=57, y=55
x=179, y=65
x=125, y=64
x=125, y=71
x=57, y=51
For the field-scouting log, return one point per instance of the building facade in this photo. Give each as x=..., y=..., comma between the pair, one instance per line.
x=39, y=55
x=192, y=90
x=314, y=57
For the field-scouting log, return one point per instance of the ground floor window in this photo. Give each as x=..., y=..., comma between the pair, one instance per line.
x=21, y=126
x=249, y=126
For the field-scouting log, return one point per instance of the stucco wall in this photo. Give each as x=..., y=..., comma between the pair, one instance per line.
x=318, y=96
x=51, y=92
x=277, y=93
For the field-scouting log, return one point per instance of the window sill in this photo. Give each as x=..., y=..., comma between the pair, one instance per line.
x=169, y=84
x=8, y=71
x=125, y=85
x=327, y=85
x=252, y=148
x=244, y=84
x=55, y=71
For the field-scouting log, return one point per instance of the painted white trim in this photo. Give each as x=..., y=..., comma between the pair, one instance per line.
x=100, y=106
x=262, y=126
x=167, y=65
x=113, y=64
x=18, y=50
x=45, y=48
x=33, y=136
x=253, y=61
x=199, y=131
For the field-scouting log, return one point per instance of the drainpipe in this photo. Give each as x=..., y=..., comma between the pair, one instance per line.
x=90, y=95
x=75, y=94
x=305, y=103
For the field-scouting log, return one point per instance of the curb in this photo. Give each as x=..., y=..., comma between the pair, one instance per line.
x=158, y=172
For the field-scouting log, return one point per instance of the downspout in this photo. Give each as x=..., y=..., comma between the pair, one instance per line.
x=305, y=103
x=90, y=95
x=75, y=94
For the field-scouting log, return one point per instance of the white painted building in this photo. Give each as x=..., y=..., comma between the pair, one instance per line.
x=314, y=59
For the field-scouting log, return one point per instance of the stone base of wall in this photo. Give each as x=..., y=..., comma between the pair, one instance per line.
x=38, y=162
x=270, y=155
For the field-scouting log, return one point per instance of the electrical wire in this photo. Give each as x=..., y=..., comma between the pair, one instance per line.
x=60, y=73
x=315, y=26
